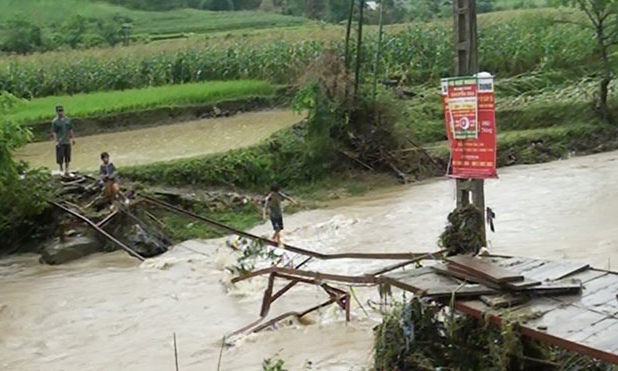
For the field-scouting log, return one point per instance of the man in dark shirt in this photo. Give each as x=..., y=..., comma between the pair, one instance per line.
x=62, y=131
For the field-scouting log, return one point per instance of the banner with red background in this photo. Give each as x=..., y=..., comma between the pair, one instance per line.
x=475, y=156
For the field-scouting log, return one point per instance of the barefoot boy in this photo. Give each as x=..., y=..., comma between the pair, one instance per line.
x=107, y=177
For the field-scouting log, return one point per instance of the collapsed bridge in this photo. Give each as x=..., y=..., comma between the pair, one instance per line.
x=564, y=304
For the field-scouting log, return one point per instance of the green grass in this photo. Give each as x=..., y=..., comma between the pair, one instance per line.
x=182, y=228
x=47, y=12
x=576, y=137
x=103, y=103
x=520, y=4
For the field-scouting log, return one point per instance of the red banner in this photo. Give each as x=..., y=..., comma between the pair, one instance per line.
x=474, y=157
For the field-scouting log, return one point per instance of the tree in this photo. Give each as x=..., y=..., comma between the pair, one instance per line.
x=74, y=31
x=22, y=194
x=603, y=20
x=110, y=30
x=22, y=36
x=337, y=11
x=218, y=5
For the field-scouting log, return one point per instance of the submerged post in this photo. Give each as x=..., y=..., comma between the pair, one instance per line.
x=466, y=63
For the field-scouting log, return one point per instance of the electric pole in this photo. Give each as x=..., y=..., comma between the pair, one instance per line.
x=466, y=64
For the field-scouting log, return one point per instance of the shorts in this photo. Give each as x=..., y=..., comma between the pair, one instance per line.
x=277, y=222
x=63, y=153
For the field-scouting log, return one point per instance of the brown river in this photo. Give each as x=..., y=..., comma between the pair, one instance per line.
x=165, y=142
x=107, y=312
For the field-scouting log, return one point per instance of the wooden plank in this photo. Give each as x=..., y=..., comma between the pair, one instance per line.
x=599, y=283
x=566, y=271
x=555, y=270
x=468, y=291
x=557, y=288
x=485, y=269
x=595, y=327
x=535, y=308
x=512, y=264
x=462, y=275
x=603, y=300
x=522, y=285
x=467, y=276
x=605, y=339
x=565, y=321
x=533, y=265
x=421, y=283
x=588, y=275
x=403, y=274
x=503, y=301
x=429, y=280
x=590, y=287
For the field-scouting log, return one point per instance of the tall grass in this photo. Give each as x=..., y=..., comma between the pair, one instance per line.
x=88, y=105
x=508, y=46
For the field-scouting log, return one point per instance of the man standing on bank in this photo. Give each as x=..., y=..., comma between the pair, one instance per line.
x=62, y=130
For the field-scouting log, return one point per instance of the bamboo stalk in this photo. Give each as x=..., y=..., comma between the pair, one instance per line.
x=347, y=49
x=378, y=52
x=359, y=49
x=175, y=352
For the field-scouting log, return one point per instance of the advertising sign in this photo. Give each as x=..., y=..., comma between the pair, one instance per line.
x=471, y=131
x=461, y=94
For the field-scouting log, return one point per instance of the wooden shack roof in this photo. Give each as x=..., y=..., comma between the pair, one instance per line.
x=566, y=304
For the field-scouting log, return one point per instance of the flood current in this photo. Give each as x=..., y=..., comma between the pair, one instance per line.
x=108, y=312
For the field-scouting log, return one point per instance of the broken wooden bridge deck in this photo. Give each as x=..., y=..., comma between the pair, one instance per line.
x=585, y=322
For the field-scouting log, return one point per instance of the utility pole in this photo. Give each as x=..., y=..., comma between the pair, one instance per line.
x=466, y=64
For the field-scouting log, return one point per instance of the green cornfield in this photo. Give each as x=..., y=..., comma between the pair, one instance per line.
x=418, y=53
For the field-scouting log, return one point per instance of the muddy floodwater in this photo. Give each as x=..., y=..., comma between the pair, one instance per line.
x=108, y=312
x=166, y=142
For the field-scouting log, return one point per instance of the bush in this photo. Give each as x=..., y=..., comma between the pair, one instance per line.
x=23, y=193
x=22, y=36
x=218, y=5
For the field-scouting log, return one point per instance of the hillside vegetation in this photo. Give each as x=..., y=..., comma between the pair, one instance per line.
x=28, y=26
x=510, y=43
x=110, y=103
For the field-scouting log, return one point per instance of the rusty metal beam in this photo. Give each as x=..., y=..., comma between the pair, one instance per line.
x=436, y=255
x=101, y=231
x=285, y=289
x=214, y=223
x=316, y=275
x=295, y=314
x=266, y=300
x=299, y=279
x=107, y=219
x=245, y=328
